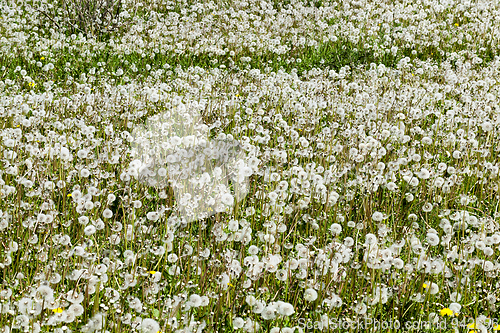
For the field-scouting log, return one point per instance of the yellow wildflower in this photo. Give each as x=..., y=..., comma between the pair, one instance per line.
x=446, y=312
x=471, y=326
x=152, y=272
x=42, y=58
x=58, y=310
x=456, y=24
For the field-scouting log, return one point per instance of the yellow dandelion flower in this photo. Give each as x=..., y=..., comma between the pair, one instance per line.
x=446, y=312
x=152, y=272
x=69, y=195
x=496, y=328
x=456, y=24
x=471, y=326
x=229, y=284
x=58, y=310
x=425, y=285
x=42, y=58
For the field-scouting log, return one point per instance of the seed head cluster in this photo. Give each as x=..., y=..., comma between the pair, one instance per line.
x=250, y=167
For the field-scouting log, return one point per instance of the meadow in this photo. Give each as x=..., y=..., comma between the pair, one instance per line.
x=249, y=166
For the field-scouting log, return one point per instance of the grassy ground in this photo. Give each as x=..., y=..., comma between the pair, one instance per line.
x=368, y=135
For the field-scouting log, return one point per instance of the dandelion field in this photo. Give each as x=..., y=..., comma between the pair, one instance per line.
x=249, y=166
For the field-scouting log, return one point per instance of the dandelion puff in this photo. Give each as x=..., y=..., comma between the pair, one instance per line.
x=25, y=305
x=414, y=182
x=75, y=297
x=251, y=326
x=455, y=307
x=149, y=325
x=360, y=308
x=83, y=220
x=310, y=295
x=398, y=263
x=455, y=296
x=349, y=241
x=432, y=287
x=89, y=230
x=111, y=198
x=250, y=300
x=371, y=239
x=488, y=251
x=268, y=313
x=68, y=317
x=427, y=207
x=432, y=238
x=335, y=228
x=488, y=266
x=195, y=300
x=281, y=274
x=377, y=216
x=258, y=307
x=409, y=197
x=424, y=174
x=84, y=172
x=107, y=213
x=153, y=216
x=76, y=309
x=227, y=199
x=238, y=323
x=82, y=153
x=487, y=126
x=253, y=250
x=21, y=321
x=286, y=309
x=426, y=140
x=391, y=186
x=44, y=293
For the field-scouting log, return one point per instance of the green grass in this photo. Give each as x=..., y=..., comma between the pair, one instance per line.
x=357, y=206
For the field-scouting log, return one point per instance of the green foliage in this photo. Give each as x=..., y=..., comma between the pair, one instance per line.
x=90, y=17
